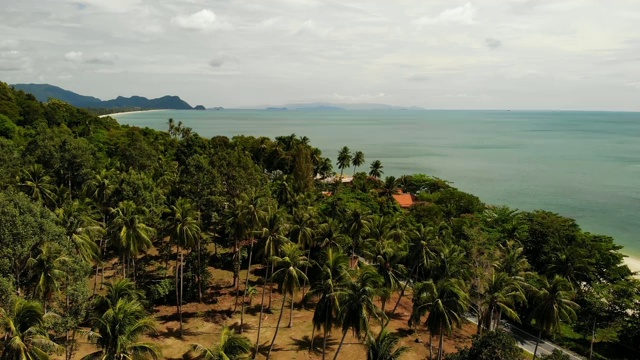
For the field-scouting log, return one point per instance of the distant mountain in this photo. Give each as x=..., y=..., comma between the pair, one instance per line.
x=43, y=92
x=342, y=107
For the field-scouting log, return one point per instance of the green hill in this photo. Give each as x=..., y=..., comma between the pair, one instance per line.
x=43, y=92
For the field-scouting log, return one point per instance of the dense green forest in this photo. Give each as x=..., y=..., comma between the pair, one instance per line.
x=102, y=223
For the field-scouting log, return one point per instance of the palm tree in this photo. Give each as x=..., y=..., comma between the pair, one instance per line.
x=335, y=271
x=357, y=161
x=121, y=289
x=357, y=304
x=358, y=225
x=132, y=234
x=301, y=232
x=376, y=169
x=552, y=305
x=117, y=331
x=446, y=303
x=23, y=333
x=250, y=213
x=184, y=231
x=100, y=188
x=231, y=347
x=38, y=185
x=344, y=159
x=47, y=271
x=501, y=295
x=77, y=218
x=384, y=346
x=288, y=278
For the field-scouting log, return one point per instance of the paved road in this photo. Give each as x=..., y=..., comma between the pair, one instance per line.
x=527, y=341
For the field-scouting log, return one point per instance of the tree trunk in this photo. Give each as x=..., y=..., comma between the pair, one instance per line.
x=177, y=278
x=593, y=338
x=284, y=299
x=395, y=307
x=270, y=288
x=236, y=275
x=181, y=286
x=491, y=311
x=440, y=344
x=264, y=289
x=344, y=334
x=306, y=269
x=104, y=251
x=246, y=286
x=535, y=351
x=324, y=344
x=199, y=277
x=313, y=333
x=430, y=346
x=291, y=311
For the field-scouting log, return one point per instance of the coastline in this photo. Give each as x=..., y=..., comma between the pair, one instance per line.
x=633, y=264
x=131, y=112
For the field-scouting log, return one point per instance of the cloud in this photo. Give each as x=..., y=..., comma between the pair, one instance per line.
x=74, y=56
x=8, y=44
x=492, y=43
x=216, y=62
x=203, y=20
x=105, y=58
x=461, y=15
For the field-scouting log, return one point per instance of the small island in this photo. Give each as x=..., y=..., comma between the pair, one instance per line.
x=199, y=107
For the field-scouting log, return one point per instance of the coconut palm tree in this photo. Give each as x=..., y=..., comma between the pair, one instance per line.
x=329, y=234
x=232, y=346
x=121, y=289
x=357, y=161
x=288, y=277
x=132, y=234
x=117, y=331
x=445, y=302
x=301, y=232
x=38, y=185
x=184, y=231
x=357, y=225
x=334, y=273
x=376, y=169
x=344, y=159
x=384, y=346
x=22, y=332
x=501, y=295
x=356, y=304
x=78, y=219
x=47, y=269
x=553, y=304
x=250, y=213
x=385, y=259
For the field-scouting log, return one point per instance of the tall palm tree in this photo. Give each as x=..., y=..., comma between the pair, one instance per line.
x=38, y=184
x=78, y=219
x=23, y=334
x=100, y=188
x=132, y=234
x=357, y=226
x=231, y=347
x=301, y=232
x=288, y=278
x=250, y=213
x=344, y=159
x=357, y=161
x=445, y=302
x=121, y=289
x=376, y=169
x=501, y=295
x=553, y=304
x=184, y=231
x=117, y=331
x=47, y=269
x=334, y=274
x=356, y=304
x=384, y=346
x=385, y=259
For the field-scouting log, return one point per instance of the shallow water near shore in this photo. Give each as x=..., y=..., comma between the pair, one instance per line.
x=584, y=165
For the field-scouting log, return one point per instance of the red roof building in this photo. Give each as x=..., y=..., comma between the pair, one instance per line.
x=404, y=200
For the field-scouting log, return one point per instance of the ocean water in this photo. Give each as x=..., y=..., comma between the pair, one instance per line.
x=585, y=165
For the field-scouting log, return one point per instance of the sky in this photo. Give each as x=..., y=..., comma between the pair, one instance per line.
x=447, y=54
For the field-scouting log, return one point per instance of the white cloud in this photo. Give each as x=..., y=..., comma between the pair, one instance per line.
x=203, y=20
x=9, y=44
x=74, y=56
x=462, y=15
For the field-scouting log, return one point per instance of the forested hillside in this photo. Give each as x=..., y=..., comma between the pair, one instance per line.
x=121, y=242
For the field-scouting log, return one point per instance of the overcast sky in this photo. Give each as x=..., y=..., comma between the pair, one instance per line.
x=504, y=54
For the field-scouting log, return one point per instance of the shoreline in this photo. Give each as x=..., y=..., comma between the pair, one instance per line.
x=130, y=112
x=633, y=264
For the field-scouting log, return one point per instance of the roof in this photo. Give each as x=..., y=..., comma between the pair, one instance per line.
x=404, y=200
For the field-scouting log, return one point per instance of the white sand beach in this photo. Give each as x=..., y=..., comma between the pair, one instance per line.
x=633, y=264
x=130, y=112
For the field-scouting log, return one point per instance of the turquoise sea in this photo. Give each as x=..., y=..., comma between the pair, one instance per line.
x=585, y=165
